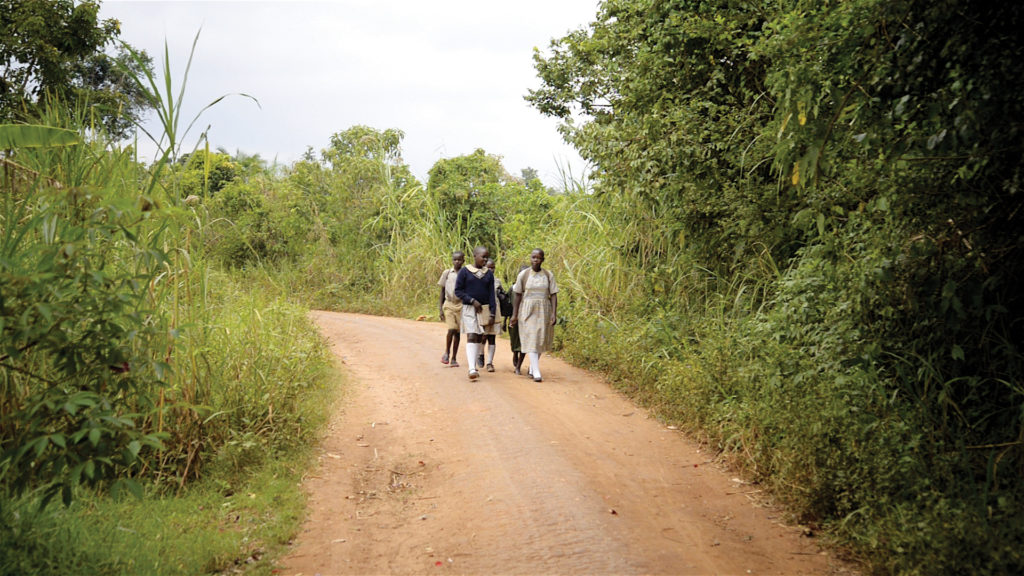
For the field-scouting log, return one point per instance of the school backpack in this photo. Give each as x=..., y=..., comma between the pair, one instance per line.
x=504, y=302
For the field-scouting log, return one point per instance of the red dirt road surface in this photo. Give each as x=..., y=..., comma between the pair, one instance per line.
x=424, y=472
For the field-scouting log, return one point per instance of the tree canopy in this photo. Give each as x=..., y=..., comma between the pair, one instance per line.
x=58, y=51
x=854, y=168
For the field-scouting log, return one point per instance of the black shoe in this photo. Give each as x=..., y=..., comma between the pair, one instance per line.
x=480, y=361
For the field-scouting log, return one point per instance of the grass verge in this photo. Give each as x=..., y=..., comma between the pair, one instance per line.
x=247, y=504
x=204, y=530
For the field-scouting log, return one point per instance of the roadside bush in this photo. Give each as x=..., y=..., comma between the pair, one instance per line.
x=83, y=334
x=820, y=204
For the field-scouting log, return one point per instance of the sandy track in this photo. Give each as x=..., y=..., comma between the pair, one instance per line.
x=426, y=472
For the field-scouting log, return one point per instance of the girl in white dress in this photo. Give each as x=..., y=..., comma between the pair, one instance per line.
x=534, y=310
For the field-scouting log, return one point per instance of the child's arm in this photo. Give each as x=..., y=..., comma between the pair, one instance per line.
x=516, y=298
x=442, y=282
x=553, y=292
x=460, y=289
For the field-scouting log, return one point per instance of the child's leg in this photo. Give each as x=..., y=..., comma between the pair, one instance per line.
x=535, y=365
x=456, y=336
x=472, y=348
x=492, y=347
x=513, y=341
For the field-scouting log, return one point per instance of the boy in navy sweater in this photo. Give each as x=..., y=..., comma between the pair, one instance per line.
x=475, y=287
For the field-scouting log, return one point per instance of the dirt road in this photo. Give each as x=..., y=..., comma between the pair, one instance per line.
x=426, y=472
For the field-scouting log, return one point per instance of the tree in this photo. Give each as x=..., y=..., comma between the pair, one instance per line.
x=249, y=165
x=368, y=160
x=468, y=190
x=672, y=104
x=532, y=180
x=860, y=162
x=205, y=173
x=365, y=143
x=55, y=51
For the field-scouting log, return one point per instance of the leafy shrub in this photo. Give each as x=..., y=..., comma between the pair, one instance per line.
x=820, y=203
x=83, y=337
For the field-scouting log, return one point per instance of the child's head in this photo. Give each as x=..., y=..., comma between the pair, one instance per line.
x=536, y=258
x=480, y=255
x=458, y=259
x=490, y=264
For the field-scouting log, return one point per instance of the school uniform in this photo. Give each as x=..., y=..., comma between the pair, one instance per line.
x=535, y=330
x=477, y=284
x=452, y=305
x=495, y=327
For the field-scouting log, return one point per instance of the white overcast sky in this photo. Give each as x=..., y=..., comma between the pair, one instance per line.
x=451, y=74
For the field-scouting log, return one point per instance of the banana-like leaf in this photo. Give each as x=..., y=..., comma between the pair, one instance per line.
x=35, y=136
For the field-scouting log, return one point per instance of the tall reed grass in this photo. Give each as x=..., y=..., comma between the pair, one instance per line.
x=130, y=362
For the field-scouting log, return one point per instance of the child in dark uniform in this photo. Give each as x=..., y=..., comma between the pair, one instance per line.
x=513, y=337
x=474, y=286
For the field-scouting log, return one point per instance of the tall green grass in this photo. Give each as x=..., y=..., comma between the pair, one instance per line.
x=212, y=527
x=262, y=385
x=130, y=361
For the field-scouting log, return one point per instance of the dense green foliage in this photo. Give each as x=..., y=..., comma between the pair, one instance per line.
x=130, y=361
x=822, y=201
x=58, y=49
x=802, y=240
x=78, y=352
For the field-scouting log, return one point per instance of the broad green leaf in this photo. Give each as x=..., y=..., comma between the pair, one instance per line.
x=35, y=136
x=121, y=485
x=40, y=445
x=76, y=473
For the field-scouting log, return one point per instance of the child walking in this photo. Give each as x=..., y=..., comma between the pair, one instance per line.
x=492, y=331
x=451, y=308
x=534, y=310
x=513, y=337
x=474, y=285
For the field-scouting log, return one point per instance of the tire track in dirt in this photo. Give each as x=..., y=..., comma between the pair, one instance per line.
x=423, y=471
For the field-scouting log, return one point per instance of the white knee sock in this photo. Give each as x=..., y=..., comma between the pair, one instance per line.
x=490, y=352
x=471, y=354
x=535, y=364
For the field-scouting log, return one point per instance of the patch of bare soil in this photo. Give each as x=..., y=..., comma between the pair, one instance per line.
x=426, y=472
